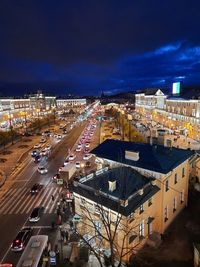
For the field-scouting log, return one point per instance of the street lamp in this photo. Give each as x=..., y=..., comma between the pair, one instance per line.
x=10, y=116
x=54, y=114
x=122, y=112
x=129, y=125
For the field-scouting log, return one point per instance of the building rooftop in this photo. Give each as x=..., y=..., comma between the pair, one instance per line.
x=128, y=182
x=150, y=157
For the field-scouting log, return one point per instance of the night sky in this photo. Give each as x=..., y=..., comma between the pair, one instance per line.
x=84, y=47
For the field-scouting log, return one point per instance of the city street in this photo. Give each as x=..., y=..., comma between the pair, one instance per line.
x=17, y=203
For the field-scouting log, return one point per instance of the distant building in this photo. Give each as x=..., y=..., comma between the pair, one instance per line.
x=71, y=102
x=186, y=110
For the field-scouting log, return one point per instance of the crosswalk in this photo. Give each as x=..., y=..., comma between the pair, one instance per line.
x=20, y=201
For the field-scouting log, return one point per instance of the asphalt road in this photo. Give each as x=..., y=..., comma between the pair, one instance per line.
x=17, y=203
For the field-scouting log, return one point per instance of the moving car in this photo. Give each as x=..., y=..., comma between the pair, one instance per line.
x=36, y=214
x=87, y=156
x=87, y=145
x=34, y=153
x=72, y=157
x=21, y=239
x=43, y=140
x=37, y=146
x=88, y=164
x=55, y=177
x=48, y=147
x=44, y=152
x=36, y=188
x=37, y=158
x=78, y=164
x=66, y=162
x=78, y=149
x=42, y=170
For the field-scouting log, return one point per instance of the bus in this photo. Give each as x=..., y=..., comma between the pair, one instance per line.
x=34, y=251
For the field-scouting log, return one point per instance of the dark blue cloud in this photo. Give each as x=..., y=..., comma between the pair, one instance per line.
x=99, y=45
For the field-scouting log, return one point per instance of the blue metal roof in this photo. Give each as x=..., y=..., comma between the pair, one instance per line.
x=128, y=182
x=151, y=157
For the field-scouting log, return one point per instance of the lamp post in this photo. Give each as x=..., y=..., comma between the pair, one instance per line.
x=129, y=126
x=38, y=118
x=54, y=114
x=10, y=116
x=122, y=112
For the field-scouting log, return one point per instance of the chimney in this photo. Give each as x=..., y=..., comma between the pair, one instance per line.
x=112, y=185
x=132, y=155
x=141, y=191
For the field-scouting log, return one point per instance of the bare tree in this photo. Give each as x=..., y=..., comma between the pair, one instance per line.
x=104, y=229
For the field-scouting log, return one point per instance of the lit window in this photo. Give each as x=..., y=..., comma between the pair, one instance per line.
x=167, y=186
x=141, y=208
x=141, y=229
x=175, y=179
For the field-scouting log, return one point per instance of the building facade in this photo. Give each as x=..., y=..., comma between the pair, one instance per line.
x=169, y=168
x=171, y=111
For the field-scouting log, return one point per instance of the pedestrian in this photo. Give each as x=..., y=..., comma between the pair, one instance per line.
x=52, y=198
x=66, y=234
x=62, y=233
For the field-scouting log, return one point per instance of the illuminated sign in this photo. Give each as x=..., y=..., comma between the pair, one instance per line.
x=176, y=87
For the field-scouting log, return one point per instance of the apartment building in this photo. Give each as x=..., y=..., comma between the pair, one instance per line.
x=121, y=202
x=166, y=169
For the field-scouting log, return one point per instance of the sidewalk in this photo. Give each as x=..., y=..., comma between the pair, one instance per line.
x=13, y=155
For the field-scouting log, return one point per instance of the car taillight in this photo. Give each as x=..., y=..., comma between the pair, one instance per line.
x=17, y=241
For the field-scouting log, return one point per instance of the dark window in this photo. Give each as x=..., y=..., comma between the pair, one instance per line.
x=150, y=201
x=175, y=179
x=132, y=238
x=183, y=172
x=167, y=186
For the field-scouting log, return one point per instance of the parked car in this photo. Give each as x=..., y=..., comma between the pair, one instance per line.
x=36, y=214
x=21, y=239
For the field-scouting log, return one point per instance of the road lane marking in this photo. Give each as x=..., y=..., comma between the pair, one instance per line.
x=18, y=200
x=7, y=198
x=54, y=204
x=50, y=193
x=13, y=201
x=30, y=201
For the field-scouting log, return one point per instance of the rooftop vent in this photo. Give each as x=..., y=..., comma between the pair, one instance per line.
x=141, y=191
x=112, y=185
x=132, y=155
x=153, y=182
x=124, y=203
